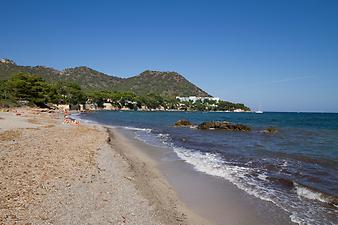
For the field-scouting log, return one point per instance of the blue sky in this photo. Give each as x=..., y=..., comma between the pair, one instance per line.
x=282, y=55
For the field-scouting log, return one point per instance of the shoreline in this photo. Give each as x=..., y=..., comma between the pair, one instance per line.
x=151, y=183
x=97, y=174
x=55, y=173
x=213, y=198
x=217, y=200
x=270, y=210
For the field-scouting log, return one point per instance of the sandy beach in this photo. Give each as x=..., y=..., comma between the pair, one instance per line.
x=55, y=173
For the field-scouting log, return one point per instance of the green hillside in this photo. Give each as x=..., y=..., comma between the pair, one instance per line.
x=88, y=78
x=160, y=83
x=166, y=83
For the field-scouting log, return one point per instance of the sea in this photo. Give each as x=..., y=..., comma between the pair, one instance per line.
x=295, y=168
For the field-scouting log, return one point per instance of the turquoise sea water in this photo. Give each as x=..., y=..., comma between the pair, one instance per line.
x=296, y=168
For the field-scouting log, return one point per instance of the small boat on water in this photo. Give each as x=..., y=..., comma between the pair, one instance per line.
x=259, y=109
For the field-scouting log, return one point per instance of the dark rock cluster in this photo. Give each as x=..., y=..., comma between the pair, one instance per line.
x=210, y=125
x=183, y=123
x=270, y=130
x=223, y=125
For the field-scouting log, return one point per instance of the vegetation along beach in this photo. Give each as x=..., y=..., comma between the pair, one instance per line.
x=169, y=112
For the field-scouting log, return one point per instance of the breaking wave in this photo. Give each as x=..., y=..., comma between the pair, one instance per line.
x=311, y=194
x=257, y=183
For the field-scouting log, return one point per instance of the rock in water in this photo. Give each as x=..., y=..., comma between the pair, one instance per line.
x=183, y=123
x=270, y=130
x=223, y=125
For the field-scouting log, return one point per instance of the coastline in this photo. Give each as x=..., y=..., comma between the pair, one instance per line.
x=54, y=173
x=57, y=173
x=215, y=191
x=213, y=198
x=151, y=183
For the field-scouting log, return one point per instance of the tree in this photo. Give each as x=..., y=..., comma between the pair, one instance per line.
x=4, y=92
x=29, y=88
x=200, y=106
x=154, y=101
x=6, y=97
x=67, y=93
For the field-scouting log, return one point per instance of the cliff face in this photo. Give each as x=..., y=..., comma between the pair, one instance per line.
x=157, y=82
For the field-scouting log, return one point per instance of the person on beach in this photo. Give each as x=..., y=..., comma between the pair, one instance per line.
x=68, y=120
x=65, y=112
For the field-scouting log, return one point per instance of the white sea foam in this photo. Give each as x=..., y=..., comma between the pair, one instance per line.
x=136, y=129
x=295, y=219
x=311, y=194
x=307, y=193
x=262, y=177
x=76, y=116
x=284, y=165
x=163, y=136
x=300, y=212
x=212, y=164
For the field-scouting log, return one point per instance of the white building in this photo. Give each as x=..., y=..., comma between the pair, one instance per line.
x=7, y=61
x=108, y=106
x=195, y=98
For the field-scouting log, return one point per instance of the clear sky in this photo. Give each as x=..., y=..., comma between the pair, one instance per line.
x=280, y=55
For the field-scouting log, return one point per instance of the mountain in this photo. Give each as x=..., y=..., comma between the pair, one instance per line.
x=88, y=78
x=166, y=83
x=157, y=82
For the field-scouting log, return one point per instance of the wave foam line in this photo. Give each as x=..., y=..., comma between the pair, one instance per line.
x=314, y=195
x=212, y=164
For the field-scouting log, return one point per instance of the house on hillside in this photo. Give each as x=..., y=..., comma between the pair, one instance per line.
x=109, y=106
x=195, y=98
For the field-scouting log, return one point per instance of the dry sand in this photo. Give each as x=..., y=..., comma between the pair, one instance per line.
x=52, y=173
